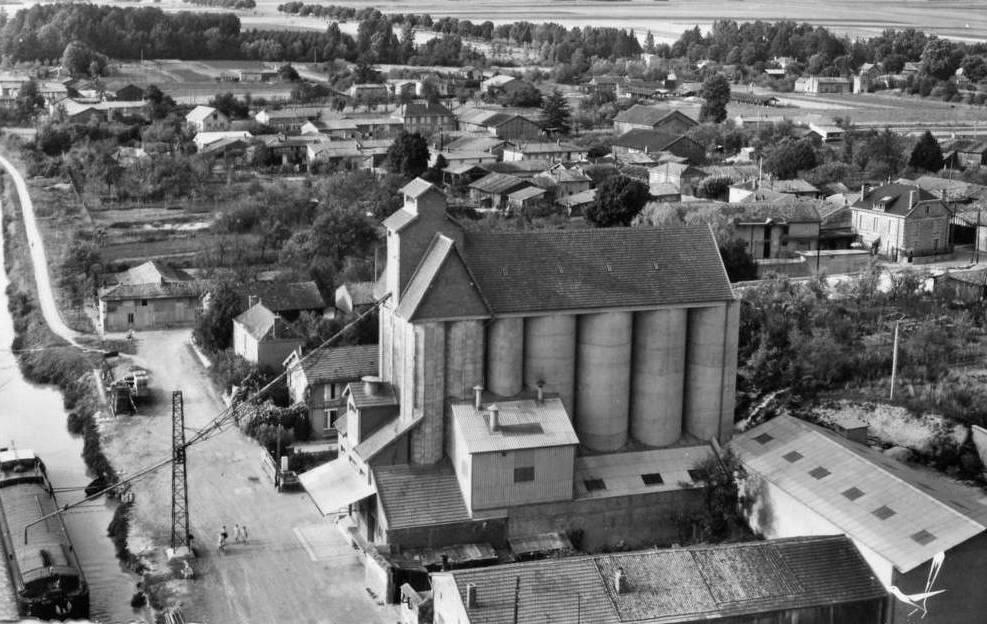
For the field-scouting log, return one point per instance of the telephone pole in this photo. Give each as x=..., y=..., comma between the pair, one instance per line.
x=179, y=475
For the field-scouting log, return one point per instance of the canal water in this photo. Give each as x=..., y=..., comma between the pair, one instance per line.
x=32, y=417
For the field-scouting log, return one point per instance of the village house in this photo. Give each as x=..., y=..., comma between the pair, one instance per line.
x=652, y=142
x=262, y=337
x=503, y=125
x=683, y=176
x=289, y=120
x=628, y=334
x=807, y=580
x=525, y=199
x=491, y=190
x=474, y=143
x=319, y=378
x=805, y=480
x=662, y=119
x=355, y=297
x=462, y=157
x=287, y=299
x=552, y=151
x=564, y=181
x=332, y=127
x=207, y=119
x=202, y=139
x=377, y=126
x=823, y=84
x=758, y=190
x=575, y=204
x=425, y=118
x=963, y=153
x=149, y=296
x=463, y=174
x=334, y=155
x=778, y=229
x=368, y=93
x=902, y=222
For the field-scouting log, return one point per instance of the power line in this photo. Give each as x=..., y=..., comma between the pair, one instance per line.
x=216, y=425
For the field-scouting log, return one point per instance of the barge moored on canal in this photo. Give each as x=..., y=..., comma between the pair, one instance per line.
x=42, y=563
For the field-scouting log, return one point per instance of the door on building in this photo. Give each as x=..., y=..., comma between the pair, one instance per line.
x=130, y=318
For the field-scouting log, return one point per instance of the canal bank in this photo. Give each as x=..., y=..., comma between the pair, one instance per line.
x=36, y=417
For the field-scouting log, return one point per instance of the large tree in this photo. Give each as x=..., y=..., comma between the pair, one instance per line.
x=618, y=200
x=940, y=58
x=555, y=114
x=408, y=155
x=927, y=154
x=716, y=96
x=788, y=159
x=214, y=325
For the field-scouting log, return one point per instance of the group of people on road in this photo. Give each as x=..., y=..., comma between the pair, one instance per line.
x=239, y=536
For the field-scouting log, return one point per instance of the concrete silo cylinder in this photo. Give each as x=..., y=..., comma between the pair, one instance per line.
x=658, y=376
x=603, y=379
x=550, y=355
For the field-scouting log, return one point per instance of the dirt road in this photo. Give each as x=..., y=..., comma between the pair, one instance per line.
x=295, y=568
x=46, y=298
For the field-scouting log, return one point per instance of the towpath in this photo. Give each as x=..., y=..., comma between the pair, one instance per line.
x=39, y=260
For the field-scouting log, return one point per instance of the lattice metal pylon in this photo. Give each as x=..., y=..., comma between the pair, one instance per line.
x=179, y=487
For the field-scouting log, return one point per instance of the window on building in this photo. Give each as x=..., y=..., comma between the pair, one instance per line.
x=652, y=478
x=594, y=484
x=143, y=302
x=330, y=420
x=130, y=318
x=524, y=474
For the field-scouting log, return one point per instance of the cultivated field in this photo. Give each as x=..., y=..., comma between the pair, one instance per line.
x=961, y=19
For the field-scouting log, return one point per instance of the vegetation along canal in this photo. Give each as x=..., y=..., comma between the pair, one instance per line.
x=33, y=417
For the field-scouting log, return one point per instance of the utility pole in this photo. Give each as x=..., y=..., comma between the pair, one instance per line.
x=517, y=597
x=179, y=475
x=894, y=358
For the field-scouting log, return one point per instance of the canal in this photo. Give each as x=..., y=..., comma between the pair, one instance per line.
x=32, y=416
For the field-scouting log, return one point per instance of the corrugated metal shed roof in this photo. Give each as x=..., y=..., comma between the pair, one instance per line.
x=498, y=183
x=414, y=496
x=624, y=473
x=673, y=585
x=876, y=500
x=523, y=424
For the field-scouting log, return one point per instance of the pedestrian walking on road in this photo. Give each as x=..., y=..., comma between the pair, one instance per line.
x=223, y=536
x=237, y=533
x=243, y=533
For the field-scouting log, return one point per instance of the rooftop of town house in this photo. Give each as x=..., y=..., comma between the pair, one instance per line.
x=896, y=199
x=339, y=364
x=284, y=297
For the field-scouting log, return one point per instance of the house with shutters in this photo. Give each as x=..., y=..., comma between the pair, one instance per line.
x=319, y=378
x=901, y=222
